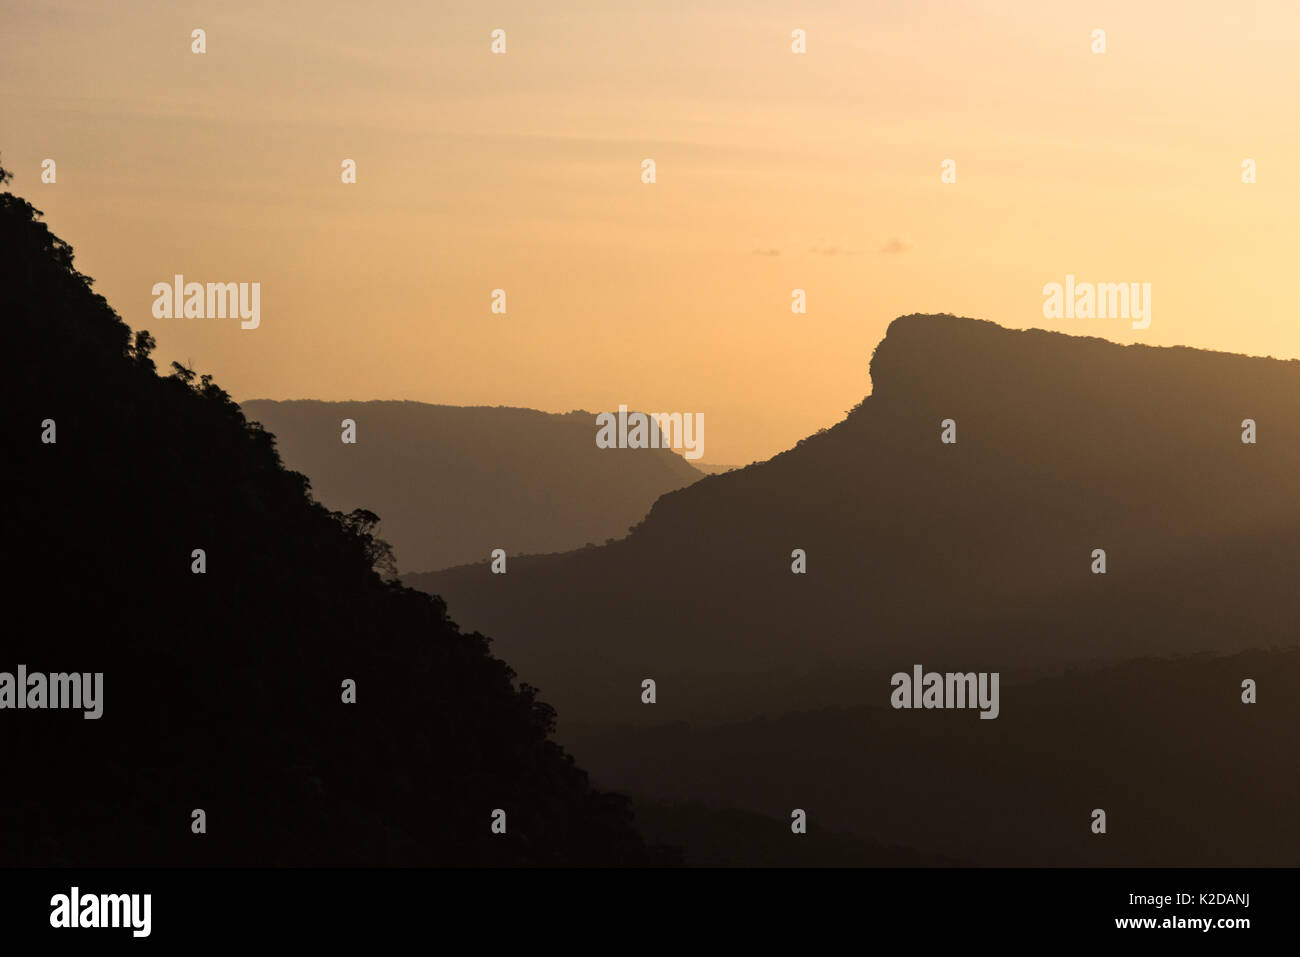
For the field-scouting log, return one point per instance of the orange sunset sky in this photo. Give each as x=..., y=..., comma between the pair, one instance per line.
x=775, y=171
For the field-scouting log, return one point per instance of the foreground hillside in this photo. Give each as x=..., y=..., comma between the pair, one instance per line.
x=1186, y=773
x=454, y=483
x=222, y=691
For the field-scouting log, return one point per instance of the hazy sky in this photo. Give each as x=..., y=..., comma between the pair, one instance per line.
x=775, y=171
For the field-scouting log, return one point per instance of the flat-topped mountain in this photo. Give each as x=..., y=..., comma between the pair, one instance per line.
x=979, y=554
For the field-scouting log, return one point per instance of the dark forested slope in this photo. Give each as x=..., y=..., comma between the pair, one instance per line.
x=222, y=691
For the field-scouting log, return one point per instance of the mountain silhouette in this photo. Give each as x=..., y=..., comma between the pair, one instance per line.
x=976, y=555
x=453, y=483
x=1121, y=691
x=221, y=691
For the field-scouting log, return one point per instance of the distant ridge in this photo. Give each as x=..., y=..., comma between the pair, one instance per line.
x=451, y=483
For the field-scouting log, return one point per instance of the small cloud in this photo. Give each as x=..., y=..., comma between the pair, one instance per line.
x=832, y=250
x=896, y=246
x=767, y=252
